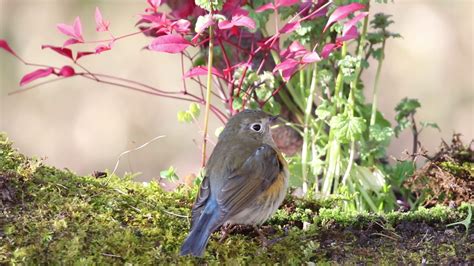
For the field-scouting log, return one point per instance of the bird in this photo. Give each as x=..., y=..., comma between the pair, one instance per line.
x=245, y=181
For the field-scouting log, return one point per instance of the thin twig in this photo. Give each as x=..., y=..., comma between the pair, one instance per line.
x=135, y=149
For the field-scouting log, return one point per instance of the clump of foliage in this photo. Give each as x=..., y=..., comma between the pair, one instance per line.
x=54, y=216
x=447, y=178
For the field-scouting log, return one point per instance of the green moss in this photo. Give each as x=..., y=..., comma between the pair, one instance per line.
x=56, y=216
x=459, y=169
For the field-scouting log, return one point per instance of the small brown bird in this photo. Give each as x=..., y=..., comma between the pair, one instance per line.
x=246, y=180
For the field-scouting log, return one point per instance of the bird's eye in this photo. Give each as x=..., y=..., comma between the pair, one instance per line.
x=257, y=127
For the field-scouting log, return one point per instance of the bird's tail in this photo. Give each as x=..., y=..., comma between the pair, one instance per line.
x=197, y=239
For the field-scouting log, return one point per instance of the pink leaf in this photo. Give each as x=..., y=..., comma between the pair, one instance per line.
x=4, y=45
x=60, y=50
x=225, y=24
x=296, y=46
x=81, y=54
x=349, y=35
x=244, y=21
x=295, y=49
x=201, y=71
x=349, y=24
x=74, y=31
x=70, y=41
x=169, y=44
x=342, y=12
x=206, y=23
x=67, y=71
x=265, y=8
x=39, y=73
x=290, y=27
x=154, y=5
x=240, y=21
x=287, y=64
x=280, y=3
x=103, y=47
x=327, y=49
x=310, y=58
x=100, y=23
x=181, y=26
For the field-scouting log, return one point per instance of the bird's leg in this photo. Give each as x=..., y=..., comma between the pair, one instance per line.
x=264, y=240
x=226, y=229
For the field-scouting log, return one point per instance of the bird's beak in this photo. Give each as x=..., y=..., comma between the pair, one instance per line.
x=273, y=118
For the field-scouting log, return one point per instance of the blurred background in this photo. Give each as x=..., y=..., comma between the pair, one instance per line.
x=83, y=125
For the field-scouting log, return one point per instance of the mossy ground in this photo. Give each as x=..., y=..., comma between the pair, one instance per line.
x=50, y=216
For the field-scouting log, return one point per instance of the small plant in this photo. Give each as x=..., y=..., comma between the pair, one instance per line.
x=309, y=64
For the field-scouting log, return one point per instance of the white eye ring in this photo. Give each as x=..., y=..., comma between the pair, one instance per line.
x=257, y=127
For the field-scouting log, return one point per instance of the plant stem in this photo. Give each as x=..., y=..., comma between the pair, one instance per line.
x=376, y=83
x=339, y=78
x=208, y=95
x=307, y=116
x=415, y=133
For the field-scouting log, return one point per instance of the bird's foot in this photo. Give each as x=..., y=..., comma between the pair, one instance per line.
x=264, y=240
x=225, y=231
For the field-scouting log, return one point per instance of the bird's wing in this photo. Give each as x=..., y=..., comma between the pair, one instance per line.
x=255, y=176
x=204, y=192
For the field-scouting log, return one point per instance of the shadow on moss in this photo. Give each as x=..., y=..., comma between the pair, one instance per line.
x=51, y=216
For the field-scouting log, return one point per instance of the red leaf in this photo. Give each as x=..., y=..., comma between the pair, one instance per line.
x=349, y=35
x=81, y=54
x=265, y=8
x=342, y=12
x=202, y=71
x=290, y=27
x=349, y=24
x=327, y=49
x=74, y=31
x=169, y=44
x=100, y=23
x=4, y=45
x=310, y=58
x=60, y=50
x=67, y=71
x=40, y=73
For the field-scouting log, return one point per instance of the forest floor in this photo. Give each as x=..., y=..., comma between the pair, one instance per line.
x=53, y=216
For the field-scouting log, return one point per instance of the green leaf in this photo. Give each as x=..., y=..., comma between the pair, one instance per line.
x=194, y=110
x=184, y=117
x=325, y=110
x=402, y=171
x=430, y=124
x=347, y=128
x=169, y=174
x=210, y=5
x=218, y=131
x=381, y=134
x=406, y=107
x=237, y=104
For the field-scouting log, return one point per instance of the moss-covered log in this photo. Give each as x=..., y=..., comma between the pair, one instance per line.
x=51, y=216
